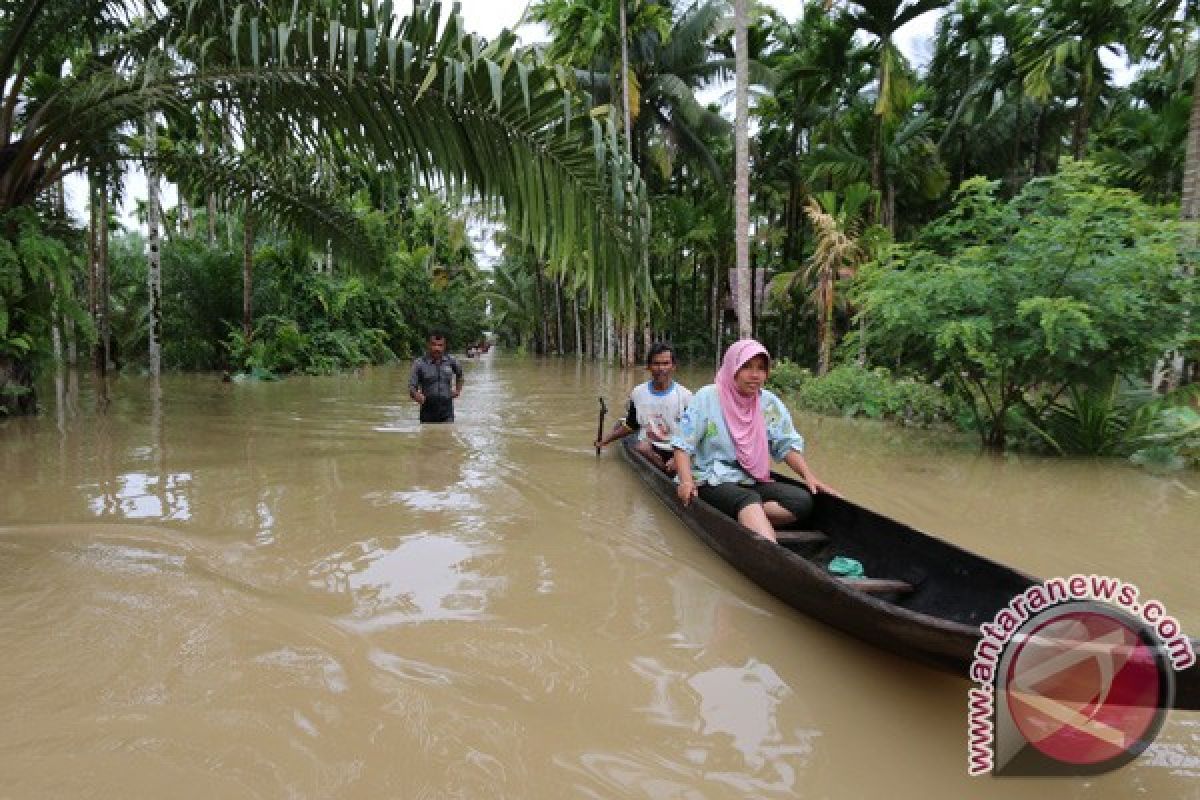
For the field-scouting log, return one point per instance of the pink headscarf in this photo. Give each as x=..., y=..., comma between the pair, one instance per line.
x=742, y=416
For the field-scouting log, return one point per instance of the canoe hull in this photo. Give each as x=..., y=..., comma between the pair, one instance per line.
x=937, y=624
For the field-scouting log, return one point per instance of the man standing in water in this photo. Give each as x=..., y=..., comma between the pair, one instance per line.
x=435, y=381
x=655, y=408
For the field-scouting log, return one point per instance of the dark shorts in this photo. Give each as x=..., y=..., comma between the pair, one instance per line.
x=437, y=409
x=731, y=498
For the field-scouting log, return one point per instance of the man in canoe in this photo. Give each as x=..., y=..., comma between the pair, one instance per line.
x=655, y=408
x=727, y=438
x=436, y=379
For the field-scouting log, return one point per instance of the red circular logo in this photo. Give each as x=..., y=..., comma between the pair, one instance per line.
x=1086, y=686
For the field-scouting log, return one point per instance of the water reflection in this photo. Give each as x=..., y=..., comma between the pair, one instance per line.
x=137, y=495
x=417, y=578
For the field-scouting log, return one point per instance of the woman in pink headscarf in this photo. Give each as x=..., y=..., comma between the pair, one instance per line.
x=727, y=439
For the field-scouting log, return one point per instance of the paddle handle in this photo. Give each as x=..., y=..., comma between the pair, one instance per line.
x=600, y=424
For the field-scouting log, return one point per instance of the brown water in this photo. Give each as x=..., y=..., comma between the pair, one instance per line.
x=294, y=590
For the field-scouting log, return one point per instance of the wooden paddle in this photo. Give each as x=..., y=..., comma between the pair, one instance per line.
x=600, y=425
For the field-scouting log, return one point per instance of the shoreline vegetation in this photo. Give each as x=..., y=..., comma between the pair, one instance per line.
x=1002, y=241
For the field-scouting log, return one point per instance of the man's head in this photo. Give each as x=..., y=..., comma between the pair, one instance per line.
x=660, y=360
x=436, y=344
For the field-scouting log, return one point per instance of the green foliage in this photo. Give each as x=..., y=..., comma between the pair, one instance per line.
x=317, y=323
x=850, y=390
x=1093, y=422
x=787, y=376
x=35, y=273
x=1069, y=284
x=1171, y=439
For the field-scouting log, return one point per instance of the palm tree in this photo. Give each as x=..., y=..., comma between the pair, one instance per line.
x=838, y=224
x=741, y=160
x=881, y=19
x=907, y=155
x=1073, y=33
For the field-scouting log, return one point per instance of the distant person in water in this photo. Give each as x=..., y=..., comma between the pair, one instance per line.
x=435, y=381
x=727, y=438
x=655, y=408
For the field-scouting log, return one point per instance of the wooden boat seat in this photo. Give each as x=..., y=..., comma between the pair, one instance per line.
x=878, y=585
x=800, y=537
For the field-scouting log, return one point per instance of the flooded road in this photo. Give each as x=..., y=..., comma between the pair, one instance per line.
x=294, y=590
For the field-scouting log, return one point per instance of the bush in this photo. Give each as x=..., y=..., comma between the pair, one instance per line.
x=787, y=376
x=850, y=390
x=1172, y=440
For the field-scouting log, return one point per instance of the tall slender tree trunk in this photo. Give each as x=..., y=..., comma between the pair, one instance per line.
x=1039, y=133
x=675, y=295
x=610, y=333
x=575, y=309
x=625, y=80
x=104, y=286
x=1014, y=161
x=211, y=200
x=695, y=284
x=154, y=273
x=716, y=309
x=558, y=310
x=248, y=269
x=741, y=186
x=543, y=325
x=1079, y=135
x=754, y=310
x=1189, y=207
x=1172, y=368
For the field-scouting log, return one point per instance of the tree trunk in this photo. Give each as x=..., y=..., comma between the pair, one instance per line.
x=610, y=334
x=1189, y=207
x=211, y=220
x=675, y=296
x=1079, y=135
x=1014, y=162
x=716, y=310
x=1172, y=368
x=625, y=81
x=543, y=326
x=1039, y=133
x=558, y=338
x=889, y=208
x=741, y=190
x=248, y=270
x=754, y=309
x=154, y=274
x=575, y=309
x=695, y=285
x=104, y=287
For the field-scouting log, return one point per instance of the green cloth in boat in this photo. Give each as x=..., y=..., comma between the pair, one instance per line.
x=845, y=567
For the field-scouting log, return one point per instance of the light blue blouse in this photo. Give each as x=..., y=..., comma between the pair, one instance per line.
x=704, y=436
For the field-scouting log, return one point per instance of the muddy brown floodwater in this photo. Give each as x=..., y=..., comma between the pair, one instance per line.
x=293, y=590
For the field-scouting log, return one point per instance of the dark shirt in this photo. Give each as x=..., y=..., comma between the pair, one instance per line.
x=435, y=379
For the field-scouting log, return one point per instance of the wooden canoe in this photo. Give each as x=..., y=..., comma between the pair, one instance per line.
x=925, y=598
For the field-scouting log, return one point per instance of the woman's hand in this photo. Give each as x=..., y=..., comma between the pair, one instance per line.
x=686, y=490
x=817, y=487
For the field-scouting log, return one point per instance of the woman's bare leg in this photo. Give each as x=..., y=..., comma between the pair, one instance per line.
x=755, y=518
x=777, y=514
